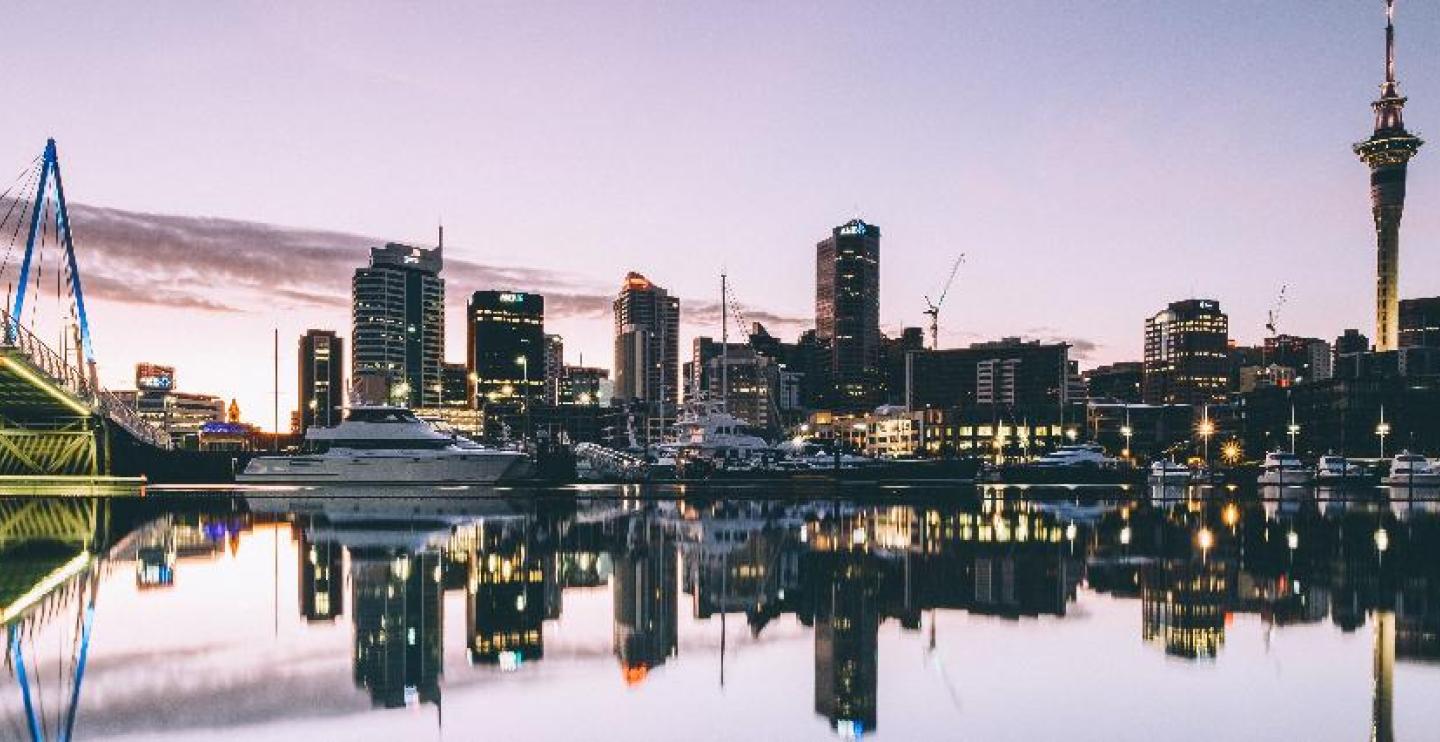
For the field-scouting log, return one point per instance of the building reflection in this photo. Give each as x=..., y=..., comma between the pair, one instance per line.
x=322, y=577
x=506, y=596
x=398, y=615
x=1183, y=607
x=646, y=604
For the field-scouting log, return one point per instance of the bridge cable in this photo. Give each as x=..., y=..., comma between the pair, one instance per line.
x=24, y=208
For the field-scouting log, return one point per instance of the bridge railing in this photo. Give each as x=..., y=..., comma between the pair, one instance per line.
x=77, y=382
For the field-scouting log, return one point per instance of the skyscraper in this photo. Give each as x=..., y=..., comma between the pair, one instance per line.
x=554, y=367
x=1387, y=152
x=647, y=343
x=399, y=336
x=506, y=345
x=1186, y=353
x=847, y=311
x=322, y=393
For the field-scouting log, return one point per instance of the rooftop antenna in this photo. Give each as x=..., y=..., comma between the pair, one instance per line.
x=441, y=243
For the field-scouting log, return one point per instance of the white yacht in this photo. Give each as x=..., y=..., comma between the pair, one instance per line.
x=709, y=432
x=1412, y=470
x=1169, y=472
x=387, y=445
x=1078, y=454
x=1335, y=469
x=1285, y=469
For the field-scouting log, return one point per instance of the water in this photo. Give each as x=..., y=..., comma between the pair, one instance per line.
x=722, y=613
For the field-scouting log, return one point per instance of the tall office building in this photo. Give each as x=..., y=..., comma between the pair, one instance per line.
x=506, y=345
x=1387, y=152
x=1186, y=354
x=322, y=392
x=847, y=311
x=554, y=367
x=647, y=343
x=398, y=342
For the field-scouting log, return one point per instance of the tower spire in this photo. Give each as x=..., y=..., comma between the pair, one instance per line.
x=1387, y=152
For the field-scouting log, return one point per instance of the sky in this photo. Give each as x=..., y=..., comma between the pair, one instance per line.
x=1093, y=160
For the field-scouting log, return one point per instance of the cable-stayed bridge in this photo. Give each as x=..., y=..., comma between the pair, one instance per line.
x=55, y=418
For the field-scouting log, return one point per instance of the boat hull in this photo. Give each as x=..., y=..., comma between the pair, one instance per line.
x=483, y=467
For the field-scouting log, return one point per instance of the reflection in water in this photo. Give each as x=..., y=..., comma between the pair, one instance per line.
x=842, y=568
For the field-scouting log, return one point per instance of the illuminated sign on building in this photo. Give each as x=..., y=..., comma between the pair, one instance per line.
x=150, y=377
x=512, y=298
x=855, y=227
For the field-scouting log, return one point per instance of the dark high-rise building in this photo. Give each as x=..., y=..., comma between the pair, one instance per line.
x=1311, y=358
x=1118, y=382
x=1352, y=341
x=1186, y=353
x=581, y=385
x=1420, y=323
x=847, y=311
x=554, y=367
x=1005, y=378
x=1387, y=152
x=506, y=345
x=454, y=385
x=322, y=392
x=399, y=326
x=647, y=344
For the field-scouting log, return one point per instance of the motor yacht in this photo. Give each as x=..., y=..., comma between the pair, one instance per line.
x=1078, y=454
x=1412, y=470
x=387, y=445
x=1285, y=469
x=707, y=431
x=1335, y=469
x=1166, y=472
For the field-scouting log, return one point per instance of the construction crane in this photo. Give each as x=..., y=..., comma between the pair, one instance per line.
x=1272, y=322
x=932, y=308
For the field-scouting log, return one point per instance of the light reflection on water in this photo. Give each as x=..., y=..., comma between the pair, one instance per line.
x=999, y=613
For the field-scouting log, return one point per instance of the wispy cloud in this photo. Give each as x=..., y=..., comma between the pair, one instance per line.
x=227, y=265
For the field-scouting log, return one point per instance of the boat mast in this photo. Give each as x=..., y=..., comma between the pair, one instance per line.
x=724, y=343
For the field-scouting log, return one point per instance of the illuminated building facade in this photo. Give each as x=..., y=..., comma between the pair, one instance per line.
x=506, y=345
x=322, y=391
x=647, y=344
x=1186, y=357
x=847, y=312
x=1387, y=153
x=454, y=386
x=398, y=341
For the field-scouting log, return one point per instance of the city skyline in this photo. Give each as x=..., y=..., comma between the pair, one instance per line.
x=1275, y=201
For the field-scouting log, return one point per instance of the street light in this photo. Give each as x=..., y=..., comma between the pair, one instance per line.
x=1382, y=430
x=525, y=376
x=1127, y=431
x=1207, y=429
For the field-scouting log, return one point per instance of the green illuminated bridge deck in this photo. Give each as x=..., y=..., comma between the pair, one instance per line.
x=54, y=418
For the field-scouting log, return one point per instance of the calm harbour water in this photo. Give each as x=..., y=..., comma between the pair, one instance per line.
x=755, y=612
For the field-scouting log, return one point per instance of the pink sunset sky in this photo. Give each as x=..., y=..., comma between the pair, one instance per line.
x=230, y=164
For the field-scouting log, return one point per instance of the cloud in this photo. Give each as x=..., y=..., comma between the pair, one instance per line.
x=1080, y=348
x=228, y=265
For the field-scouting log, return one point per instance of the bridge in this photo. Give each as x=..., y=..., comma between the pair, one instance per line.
x=55, y=418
